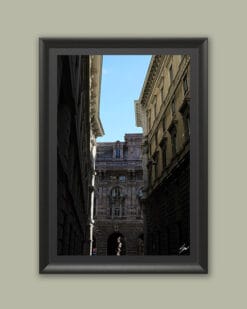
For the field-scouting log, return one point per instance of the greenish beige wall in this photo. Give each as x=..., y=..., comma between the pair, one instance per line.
x=21, y=23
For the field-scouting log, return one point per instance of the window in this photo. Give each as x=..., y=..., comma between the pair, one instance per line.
x=173, y=106
x=117, y=153
x=117, y=150
x=163, y=147
x=117, y=212
x=185, y=84
x=122, y=178
x=164, y=157
x=173, y=133
x=186, y=120
x=162, y=94
x=122, y=209
x=149, y=123
x=155, y=162
x=116, y=202
x=115, y=192
x=171, y=73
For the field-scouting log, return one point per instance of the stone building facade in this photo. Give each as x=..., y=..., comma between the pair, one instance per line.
x=78, y=125
x=163, y=112
x=119, y=182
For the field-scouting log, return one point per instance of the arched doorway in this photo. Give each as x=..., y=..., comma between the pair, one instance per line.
x=116, y=244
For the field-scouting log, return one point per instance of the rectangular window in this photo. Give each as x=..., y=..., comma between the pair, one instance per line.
x=162, y=94
x=163, y=147
x=164, y=157
x=186, y=121
x=156, y=170
x=155, y=162
x=174, y=142
x=122, y=178
x=185, y=112
x=185, y=84
x=173, y=106
x=117, y=153
x=171, y=73
x=117, y=212
x=123, y=210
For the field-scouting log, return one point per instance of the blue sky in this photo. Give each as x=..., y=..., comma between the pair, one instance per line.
x=122, y=80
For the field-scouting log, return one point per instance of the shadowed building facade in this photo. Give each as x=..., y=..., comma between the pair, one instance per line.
x=119, y=181
x=163, y=112
x=78, y=125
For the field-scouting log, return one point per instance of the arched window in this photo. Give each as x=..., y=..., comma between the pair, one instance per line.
x=116, y=202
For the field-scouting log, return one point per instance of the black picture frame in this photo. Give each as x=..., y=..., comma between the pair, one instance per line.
x=197, y=261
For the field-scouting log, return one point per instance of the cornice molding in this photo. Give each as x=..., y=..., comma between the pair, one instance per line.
x=151, y=77
x=95, y=72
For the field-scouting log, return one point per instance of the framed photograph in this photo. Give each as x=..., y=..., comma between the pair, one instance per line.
x=123, y=175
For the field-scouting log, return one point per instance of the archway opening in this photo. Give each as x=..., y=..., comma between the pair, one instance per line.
x=116, y=244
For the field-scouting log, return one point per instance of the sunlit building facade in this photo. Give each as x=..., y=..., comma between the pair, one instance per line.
x=163, y=112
